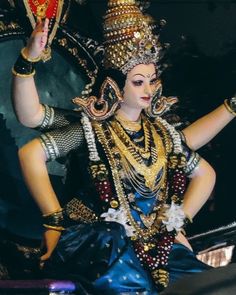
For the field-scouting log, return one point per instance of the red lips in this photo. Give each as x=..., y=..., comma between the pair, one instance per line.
x=147, y=98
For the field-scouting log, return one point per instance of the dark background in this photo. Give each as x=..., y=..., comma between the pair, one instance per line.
x=201, y=72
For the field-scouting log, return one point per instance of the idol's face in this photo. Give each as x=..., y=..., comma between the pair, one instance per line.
x=139, y=87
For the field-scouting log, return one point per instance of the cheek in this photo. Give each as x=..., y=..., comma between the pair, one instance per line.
x=132, y=91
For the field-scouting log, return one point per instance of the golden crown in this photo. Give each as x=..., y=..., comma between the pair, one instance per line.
x=129, y=40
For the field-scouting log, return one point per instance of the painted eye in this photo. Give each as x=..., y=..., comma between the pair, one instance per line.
x=137, y=83
x=153, y=81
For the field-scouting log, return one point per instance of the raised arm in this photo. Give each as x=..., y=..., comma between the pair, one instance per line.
x=25, y=97
x=206, y=128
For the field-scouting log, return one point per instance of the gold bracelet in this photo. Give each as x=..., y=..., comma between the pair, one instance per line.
x=53, y=212
x=57, y=228
x=22, y=75
x=228, y=107
x=33, y=60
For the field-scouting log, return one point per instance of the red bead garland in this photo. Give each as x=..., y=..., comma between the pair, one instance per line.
x=104, y=190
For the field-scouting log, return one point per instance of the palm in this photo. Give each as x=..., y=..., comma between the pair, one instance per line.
x=38, y=39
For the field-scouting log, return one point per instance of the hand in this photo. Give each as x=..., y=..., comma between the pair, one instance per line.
x=38, y=39
x=50, y=240
x=218, y=257
x=181, y=239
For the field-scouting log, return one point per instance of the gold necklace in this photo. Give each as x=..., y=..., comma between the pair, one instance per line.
x=141, y=152
x=134, y=126
x=140, y=233
x=150, y=172
x=41, y=11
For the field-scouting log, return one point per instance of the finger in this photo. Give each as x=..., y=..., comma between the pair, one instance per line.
x=46, y=23
x=39, y=20
x=43, y=40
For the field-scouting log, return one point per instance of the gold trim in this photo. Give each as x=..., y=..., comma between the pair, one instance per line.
x=23, y=75
x=52, y=212
x=228, y=108
x=57, y=228
x=33, y=60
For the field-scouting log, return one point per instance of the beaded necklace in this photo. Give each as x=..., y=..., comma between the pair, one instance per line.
x=153, y=242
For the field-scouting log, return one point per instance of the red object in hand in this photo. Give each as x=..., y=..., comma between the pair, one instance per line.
x=44, y=8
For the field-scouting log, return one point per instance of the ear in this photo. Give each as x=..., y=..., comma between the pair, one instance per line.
x=160, y=104
x=103, y=107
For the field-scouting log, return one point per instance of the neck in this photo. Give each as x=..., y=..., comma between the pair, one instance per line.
x=129, y=114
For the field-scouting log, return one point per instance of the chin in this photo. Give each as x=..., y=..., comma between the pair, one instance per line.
x=145, y=105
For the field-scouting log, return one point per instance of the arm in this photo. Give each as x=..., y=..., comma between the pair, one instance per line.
x=25, y=97
x=204, y=129
x=33, y=157
x=199, y=189
x=33, y=163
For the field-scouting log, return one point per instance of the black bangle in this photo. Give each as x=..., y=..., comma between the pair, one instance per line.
x=23, y=67
x=54, y=220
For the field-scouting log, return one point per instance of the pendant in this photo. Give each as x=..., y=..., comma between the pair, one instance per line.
x=148, y=220
x=43, y=8
x=146, y=155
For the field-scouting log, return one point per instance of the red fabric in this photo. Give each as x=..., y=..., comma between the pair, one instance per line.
x=50, y=5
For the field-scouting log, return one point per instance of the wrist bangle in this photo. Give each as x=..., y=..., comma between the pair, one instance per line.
x=230, y=105
x=24, y=66
x=15, y=73
x=52, y=212
x=57, y=228
x=26, y=57
x=54, y=220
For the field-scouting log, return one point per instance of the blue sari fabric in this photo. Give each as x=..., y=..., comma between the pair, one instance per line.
x=101, y=258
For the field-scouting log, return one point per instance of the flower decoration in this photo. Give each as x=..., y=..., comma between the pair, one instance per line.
x=119, y=216
x=175, y=217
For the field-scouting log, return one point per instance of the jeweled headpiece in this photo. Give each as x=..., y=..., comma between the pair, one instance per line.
x=128, y=37
x=128, y=41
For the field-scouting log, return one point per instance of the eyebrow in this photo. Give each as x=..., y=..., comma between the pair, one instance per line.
x=143, y=75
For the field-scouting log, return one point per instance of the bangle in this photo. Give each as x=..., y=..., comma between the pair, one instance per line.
x=230, y=105
x=33, y=60
x=24, y=66
x=57, y=228
x=15, y=73
x=54, y=220
x=53, y=212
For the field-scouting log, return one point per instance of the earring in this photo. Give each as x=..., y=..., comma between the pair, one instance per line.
x=160, y=104
x=103, y=107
